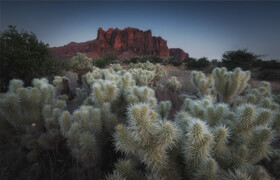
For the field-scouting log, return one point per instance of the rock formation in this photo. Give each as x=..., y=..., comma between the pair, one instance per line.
x=124, y=43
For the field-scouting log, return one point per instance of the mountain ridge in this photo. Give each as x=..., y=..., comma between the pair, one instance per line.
x=125, y=43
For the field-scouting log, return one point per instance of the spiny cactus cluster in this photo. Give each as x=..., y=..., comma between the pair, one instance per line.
x=202, y=83
x=226, y=140
x=121, y=130
x=143, y=77
x=147, y=137
x=173, y=84
x=230, y=84
x=34, y=111
x=84, y=132
x=159, y=70
x=116, y=67
x=81, y=63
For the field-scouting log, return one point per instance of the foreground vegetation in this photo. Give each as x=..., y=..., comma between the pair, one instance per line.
x=115, y=124
x=230, y=130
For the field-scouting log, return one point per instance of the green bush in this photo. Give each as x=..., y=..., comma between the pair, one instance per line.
x=269, y=74
x=153, y=59
x=272, y=64
x=23, y=56
x=200, y=63
x=105, y=60
x=175, y=61
x=239, y=58
x=101, y=63
x=143, y=59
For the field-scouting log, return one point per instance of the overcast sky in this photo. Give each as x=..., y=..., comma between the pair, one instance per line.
x=199, y=28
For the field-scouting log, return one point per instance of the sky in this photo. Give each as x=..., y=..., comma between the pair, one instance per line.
x=199, y=28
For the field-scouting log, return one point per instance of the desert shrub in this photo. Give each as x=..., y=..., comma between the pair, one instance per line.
x=200, y=63
x=239, y=58
x=126, y=61
x=105, y=60
x=143, y=59
x=135, y=59
x=23, y=56
x=269, y=74
x=101, y=63
x=175, y=61
x=154, y=59
x=272, y=64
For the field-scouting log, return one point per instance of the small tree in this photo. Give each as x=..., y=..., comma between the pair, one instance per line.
x=175, y=61
x=105, y=60
x=200, y=63
x=240, y=58
x=24, y=57
x=81, y=64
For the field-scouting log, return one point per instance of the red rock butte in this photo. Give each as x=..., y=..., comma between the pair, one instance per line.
x=125, y=43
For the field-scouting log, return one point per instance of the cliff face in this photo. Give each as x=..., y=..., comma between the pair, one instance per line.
x=128, y=42
x=179, y=53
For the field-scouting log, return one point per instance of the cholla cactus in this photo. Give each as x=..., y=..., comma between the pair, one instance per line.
x=259, y=144
x=23, y=106
x=173, y=84
x=35, y=111
x=81, y=93
x=236, y=137
x=202, y=83
x=230, y=84
x=209, y=171
x=81, y=64
x=59, y=82
x=104, y=91
x=268, y=103
x=164, y=108
x=196, y=148
x=260, y=96
x=89, y=78
x=221, y=135
x=116, y=67
x=276, y=122
x=197, y=108
x=182, y=120
x=249, y=117
x=158, y=69
x=236, y=175
x=82, y=129
x=15, y=84
x=142, y=77
x=126, y=81
x=146, y=137
x=207, y=140
x=160, y=72
x=125, y=169
x=116, y=175
x=143, y=94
